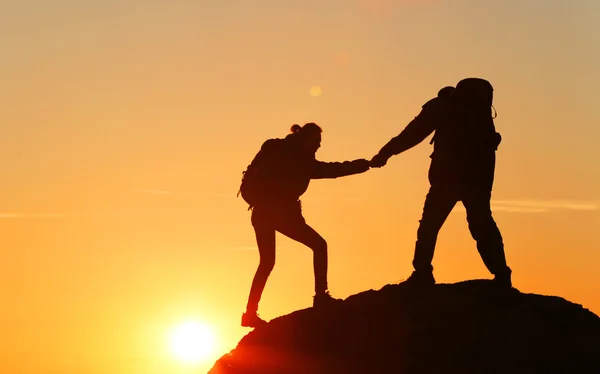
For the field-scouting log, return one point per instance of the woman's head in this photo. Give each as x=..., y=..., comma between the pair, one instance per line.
x=308, y=135
x=446, y=92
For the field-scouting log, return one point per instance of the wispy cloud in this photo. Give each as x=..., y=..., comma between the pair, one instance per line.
x=11, y=215
x=541, y=206
x=33, y=215
x=517, y=209
x=47, y=215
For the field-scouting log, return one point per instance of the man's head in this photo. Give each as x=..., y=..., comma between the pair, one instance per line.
x=309, y=136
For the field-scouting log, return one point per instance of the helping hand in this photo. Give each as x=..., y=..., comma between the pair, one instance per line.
x=363, y=164
x=378, y=161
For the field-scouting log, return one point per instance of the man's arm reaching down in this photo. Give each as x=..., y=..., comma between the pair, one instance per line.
x=414, y=133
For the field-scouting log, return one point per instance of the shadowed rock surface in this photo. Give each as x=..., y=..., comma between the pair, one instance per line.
x=467, y=327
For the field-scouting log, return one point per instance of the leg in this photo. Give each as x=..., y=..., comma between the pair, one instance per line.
x=485, y=232
x=265, y=238
x=299, y=231
x=438, y=205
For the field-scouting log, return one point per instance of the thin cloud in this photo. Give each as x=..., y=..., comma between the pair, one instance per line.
x=33, y=215
x=544, y=205
x=517, y=209
x=11, y=215
x=47, y=215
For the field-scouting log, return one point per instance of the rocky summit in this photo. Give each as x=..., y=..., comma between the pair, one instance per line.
x=467, y=327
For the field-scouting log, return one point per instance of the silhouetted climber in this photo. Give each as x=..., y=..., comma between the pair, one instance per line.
x=272, y=185
x=462, y=169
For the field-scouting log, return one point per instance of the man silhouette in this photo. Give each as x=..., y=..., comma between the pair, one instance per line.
x=462, y=169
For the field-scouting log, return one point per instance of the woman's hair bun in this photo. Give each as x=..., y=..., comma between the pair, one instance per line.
x=295, y=128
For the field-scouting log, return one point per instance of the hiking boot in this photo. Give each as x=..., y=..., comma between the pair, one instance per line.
x=420, y=279
x=250, y=319
x=324, y=299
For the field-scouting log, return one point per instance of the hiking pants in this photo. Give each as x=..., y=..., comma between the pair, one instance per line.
x=288, y=220
x=438, y=204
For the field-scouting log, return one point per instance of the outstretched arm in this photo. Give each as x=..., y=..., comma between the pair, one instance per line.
x=339, y=169
x=417, y=130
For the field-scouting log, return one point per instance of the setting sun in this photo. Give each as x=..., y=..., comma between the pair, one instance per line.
x=192, y=342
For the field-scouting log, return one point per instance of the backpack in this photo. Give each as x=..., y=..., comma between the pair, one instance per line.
x=470, y=121
x=250, y=185
x=254, y=186
x=477, y=92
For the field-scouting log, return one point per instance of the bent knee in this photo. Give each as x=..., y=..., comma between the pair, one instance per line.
x=319, y=245
x=483, y=226
x=266, y=265
x=481, y=220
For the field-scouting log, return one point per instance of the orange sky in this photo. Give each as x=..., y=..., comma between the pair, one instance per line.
x=125, y=126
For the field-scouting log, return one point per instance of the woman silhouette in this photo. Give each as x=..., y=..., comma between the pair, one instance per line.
x=277, y=177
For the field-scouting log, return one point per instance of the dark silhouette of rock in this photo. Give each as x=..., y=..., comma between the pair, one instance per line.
x=467, y=327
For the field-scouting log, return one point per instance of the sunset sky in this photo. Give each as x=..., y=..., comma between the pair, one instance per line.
x=125, y=126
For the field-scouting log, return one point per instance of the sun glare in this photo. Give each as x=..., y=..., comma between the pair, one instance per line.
x=315, y=91
x=192, y=342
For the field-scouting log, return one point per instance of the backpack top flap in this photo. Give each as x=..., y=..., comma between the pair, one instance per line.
x=475, y=91
x=469, y=125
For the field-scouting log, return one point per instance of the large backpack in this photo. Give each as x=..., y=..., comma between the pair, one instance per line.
x=477, y=92
x=470, y=123
x=254, y=185
x=250, y=186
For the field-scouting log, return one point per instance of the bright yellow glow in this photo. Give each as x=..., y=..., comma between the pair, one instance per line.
x=192, y=342
x=315, y=91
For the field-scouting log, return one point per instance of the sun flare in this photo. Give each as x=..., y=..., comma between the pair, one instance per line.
x=192, y=342
x=315, y=91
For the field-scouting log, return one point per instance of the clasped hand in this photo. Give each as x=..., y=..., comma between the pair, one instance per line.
x=378, y=161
